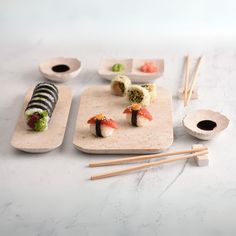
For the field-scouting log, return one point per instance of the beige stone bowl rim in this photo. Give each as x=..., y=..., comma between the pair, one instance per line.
x=73, y=63
x=191, y=120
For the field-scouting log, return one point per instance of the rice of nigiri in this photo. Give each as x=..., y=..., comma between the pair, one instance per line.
x=138, y=116
x=102, y=126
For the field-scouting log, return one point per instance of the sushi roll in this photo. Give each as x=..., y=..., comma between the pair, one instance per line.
x=102, y=126
x=138, y=94
x=40, y=107
x=151, y=88
x=120, y=85
x=136, y=115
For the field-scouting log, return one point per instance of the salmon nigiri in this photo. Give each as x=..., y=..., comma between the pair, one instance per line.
x=136, y=115
x=102, y=126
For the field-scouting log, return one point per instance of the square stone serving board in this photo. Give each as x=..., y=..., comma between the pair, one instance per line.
x=155, y=137
x=39, y=142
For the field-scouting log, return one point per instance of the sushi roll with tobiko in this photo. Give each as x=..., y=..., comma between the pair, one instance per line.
x=138, y=94
x=120, y=85
x=102, y=126
x=151, y=88
x=40, y=107
x=138, y=116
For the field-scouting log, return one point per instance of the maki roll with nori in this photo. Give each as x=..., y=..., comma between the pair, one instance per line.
x=102, y=126
x=120, y=85
x=138, y=94
x=138, y=116
x=151, y=88
x=41, y=105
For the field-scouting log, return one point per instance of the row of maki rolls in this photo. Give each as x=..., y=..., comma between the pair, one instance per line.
x=143, y=94
x=41, y=106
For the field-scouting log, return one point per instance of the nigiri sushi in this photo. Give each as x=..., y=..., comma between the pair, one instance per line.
x=136, y=115
x=102, y=126
x=40, y=107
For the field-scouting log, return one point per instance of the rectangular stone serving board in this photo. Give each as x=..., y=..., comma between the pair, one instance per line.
x=155, y=137
x=40, y=142
x=131, y=69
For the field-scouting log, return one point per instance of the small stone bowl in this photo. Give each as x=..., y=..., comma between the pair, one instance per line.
x=60, y=69
x=205, y=124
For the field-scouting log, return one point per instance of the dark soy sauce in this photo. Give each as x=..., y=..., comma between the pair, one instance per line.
x=60, y=68
x=206, y=125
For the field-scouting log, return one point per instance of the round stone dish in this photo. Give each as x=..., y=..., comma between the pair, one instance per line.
x=205, y=124
x=60, y=69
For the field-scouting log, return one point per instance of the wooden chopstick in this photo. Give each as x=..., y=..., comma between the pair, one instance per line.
x=146, y=165
x=186, y=79
x=143, y=157
x=195, y=77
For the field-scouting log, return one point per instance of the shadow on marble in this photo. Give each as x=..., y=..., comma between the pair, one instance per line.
x=8, y=118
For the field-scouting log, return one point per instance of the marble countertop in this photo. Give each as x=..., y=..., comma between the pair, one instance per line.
x=51, y=194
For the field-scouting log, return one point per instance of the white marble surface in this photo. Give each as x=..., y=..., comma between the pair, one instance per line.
x=50, y=194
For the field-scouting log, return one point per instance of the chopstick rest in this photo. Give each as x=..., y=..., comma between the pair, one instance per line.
x=200, y=160
x=181, y=93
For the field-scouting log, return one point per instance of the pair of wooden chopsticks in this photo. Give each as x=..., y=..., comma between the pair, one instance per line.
x=188, y=91
x=192, y=153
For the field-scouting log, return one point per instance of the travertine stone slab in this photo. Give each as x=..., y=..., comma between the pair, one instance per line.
x=156, y=137
x=39, y=142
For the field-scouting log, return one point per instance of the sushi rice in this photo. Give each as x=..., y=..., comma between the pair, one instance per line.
x=120, y=85
x=102, y=126
x=138, y=94
x=106, y=131
x=151, y=88
x=141, y=121
x=137, y=116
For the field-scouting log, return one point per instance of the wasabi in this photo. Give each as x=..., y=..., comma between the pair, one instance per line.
x=118, y=67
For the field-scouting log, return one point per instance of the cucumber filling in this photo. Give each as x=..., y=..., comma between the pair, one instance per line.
x=119, y=88
x=135, y=96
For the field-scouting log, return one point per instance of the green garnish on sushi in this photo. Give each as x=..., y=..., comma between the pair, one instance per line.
x=41, y=124
x=118, y=67
x=38, y=121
